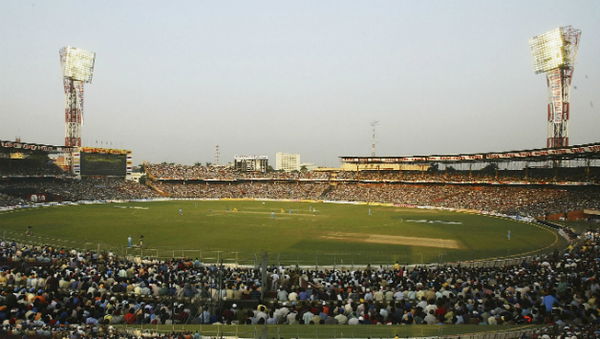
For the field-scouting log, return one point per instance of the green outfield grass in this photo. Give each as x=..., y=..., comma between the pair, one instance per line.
x=290, y=232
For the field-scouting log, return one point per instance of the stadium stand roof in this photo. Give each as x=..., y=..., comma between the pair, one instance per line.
x=589, y=151
x=26, y=146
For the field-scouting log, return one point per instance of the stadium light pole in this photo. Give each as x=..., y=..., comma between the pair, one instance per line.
x=554, y=54
x=78, y=67
x=373, y=125
x=217, y=155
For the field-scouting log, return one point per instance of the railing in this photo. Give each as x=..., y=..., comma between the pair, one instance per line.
x=339, y=331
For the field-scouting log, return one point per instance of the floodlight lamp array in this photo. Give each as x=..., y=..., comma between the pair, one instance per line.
x=547, y=51
x=77, y=63
x=554, y=49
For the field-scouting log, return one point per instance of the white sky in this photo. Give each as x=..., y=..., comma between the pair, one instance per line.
x=173, y=79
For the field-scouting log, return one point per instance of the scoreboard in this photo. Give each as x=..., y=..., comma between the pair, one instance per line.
x=104, y=164
x=90, y=161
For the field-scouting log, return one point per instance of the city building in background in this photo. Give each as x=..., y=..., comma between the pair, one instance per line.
x=554, y=53
x=287, y=161
x=251, y=163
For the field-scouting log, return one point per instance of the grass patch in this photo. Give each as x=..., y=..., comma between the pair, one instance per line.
x=290, y=232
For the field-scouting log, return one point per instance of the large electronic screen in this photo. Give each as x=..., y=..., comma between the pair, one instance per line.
x=104, y=164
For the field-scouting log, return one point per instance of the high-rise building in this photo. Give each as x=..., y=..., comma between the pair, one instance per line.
x=287, y=161
x=251, y=163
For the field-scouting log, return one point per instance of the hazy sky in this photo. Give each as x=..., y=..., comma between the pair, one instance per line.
x=175, y=78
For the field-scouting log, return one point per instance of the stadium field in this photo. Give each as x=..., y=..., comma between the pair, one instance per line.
x=305, y=233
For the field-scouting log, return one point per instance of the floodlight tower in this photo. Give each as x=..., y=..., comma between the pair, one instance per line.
x=217, y=155
x=554, y=53
x=373, y=125
x=78, y=66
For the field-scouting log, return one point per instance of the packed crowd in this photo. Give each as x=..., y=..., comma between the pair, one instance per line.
x=72, y=190
x=44, y=288
x=513, y=200
x=521, y=200
x=269, y=190
x=9, y=200
x=166, y=171
x=47, y=287
x=529, y=201
x=534, y=176
x=538, y=175
x=29, y=168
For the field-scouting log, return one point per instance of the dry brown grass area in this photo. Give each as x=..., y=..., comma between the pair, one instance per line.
x=393, y=240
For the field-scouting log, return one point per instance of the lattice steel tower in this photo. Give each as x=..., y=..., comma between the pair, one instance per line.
x=78, y=66
x=373, y=142
x=217, y=155
x=554, y=53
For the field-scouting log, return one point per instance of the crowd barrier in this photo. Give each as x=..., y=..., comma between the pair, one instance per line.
x=341, y=332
